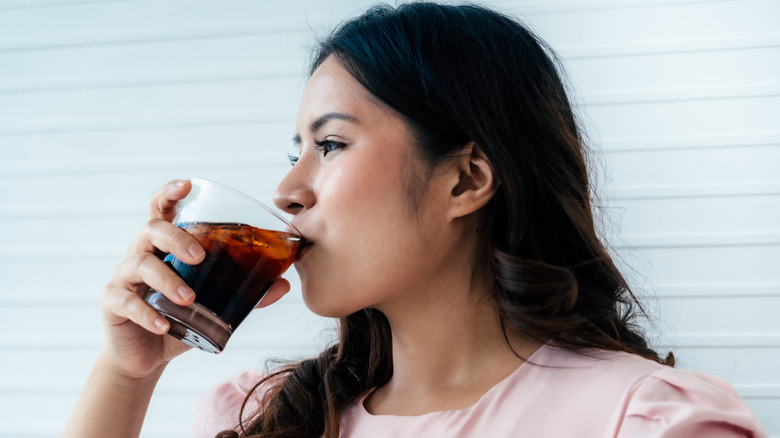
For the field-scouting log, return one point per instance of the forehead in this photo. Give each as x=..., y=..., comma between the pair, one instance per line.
x=331, y=74
x=331, y=89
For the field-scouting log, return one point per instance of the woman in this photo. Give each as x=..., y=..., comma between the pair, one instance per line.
x=442, y=182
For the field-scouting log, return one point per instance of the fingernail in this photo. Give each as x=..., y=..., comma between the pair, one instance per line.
x=195, y=250
x=161, y=324
x=177, y=185
x=184, y=292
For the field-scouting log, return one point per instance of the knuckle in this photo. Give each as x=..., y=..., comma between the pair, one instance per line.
x=132, y=249
x=140, y=260
x=151, y=226
x=147, y=227
x=105, y=297
x=127, y=301
x=134, y=307
x=164, y=232
x=113, y=301
x=116, y=272
x=120, y=273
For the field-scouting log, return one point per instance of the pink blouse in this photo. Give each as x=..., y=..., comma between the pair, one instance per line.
x=555, y=394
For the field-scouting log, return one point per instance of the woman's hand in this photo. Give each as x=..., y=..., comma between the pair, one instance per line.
x=137, y=348
x=136, y=343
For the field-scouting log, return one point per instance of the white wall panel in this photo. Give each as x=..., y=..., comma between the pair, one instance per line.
x=102, y=102
x=697, y=216
x=97, y=66
x=165, y=149
x=678, y=72
x=691, y=166
x=684, y=118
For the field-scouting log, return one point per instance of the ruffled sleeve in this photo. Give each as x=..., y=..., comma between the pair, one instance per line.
x=219, y=408
x=674, y=403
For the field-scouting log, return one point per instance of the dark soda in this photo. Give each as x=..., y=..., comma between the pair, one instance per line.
x=241, y=264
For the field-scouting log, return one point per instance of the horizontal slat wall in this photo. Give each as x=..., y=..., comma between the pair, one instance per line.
x=101, y=102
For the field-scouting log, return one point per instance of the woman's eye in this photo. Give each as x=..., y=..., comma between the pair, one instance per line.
x=294, y=150
x=328, y=146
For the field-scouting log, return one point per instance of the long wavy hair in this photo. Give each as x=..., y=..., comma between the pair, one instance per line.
x=461, y=74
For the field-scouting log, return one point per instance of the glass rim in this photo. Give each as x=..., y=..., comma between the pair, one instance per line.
x=204, y=181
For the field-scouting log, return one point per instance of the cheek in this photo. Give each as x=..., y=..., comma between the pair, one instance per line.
x=366, y=225
x=362, y=187
x=342, y=187
x=363, y=213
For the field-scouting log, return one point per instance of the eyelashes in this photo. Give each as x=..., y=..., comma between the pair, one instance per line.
x=326, y=146
x=323, y=146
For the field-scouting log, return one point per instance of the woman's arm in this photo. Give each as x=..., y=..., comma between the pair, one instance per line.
x=136, y=348
x=112, y=404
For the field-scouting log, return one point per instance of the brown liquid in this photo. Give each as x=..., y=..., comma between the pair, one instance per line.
x=241, y=264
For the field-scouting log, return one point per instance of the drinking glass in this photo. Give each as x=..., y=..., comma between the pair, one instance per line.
x=248, y=247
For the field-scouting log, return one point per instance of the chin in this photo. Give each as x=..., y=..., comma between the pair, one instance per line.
x=326, y=307
x=319, y=306
x=328, y=313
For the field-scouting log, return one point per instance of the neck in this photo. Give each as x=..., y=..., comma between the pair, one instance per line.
x=448, y=350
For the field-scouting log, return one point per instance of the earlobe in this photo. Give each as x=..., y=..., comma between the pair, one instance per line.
x=475, y=185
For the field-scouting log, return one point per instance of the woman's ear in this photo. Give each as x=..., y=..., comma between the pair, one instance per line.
x=474, y=182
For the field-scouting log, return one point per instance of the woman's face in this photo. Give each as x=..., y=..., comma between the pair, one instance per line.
x=349, y=194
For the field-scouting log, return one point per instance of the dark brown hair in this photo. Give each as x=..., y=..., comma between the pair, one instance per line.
x=461, y=74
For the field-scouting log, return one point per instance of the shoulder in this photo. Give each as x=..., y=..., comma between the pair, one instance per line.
x=220, y=406
x=612, y=373
x=630, y=396
x=672, y=403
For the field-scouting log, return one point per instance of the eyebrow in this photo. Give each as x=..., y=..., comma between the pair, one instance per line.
x=317, y=124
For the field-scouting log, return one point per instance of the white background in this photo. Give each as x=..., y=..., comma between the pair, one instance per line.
x=102, y=102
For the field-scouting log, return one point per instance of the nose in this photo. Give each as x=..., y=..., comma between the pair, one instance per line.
x=295, y=193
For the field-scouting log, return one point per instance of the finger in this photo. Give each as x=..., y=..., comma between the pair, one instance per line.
x=163, y=203
x=122, y=305
x=277, y=291
x=159, y=235
x=146, y=269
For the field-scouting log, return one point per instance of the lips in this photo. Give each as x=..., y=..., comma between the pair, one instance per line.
x=304, y=248
x=305, y=242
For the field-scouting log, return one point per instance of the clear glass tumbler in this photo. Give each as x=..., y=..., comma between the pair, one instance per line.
x=248, y=247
